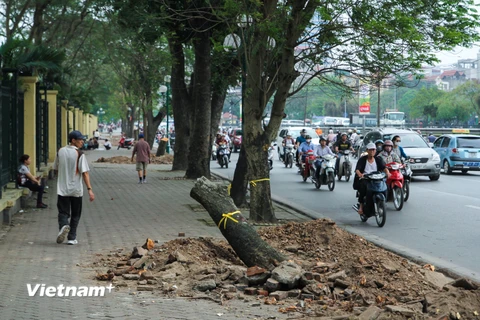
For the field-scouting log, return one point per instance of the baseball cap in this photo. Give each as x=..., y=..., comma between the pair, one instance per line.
x=141, y=136
x=77, y=135
x=371, y=145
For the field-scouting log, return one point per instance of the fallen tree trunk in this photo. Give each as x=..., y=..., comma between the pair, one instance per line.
x=243, y=238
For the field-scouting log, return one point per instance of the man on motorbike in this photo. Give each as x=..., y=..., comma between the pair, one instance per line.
x=397, y=148
x=342, y=145
x=387, y=153
x=300, y=139
x=365, y=165
x=287, y=140
x=321, y=150
x=304, y=147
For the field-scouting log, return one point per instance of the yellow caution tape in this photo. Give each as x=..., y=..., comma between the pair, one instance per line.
x=254, y=182
x=227, y=216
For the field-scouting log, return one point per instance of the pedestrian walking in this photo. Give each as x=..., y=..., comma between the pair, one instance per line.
x=142, y=149
x=72, y=169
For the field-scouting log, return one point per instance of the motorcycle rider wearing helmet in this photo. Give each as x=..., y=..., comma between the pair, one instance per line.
x=330, y=137
x=300, y=139
x=288, y=140
x=387, y=153
x=342, y=145
x=321, y=150
x=222, y=140
x=378, y=146
x=365, y=165
x=397, y=148
x=304, y=147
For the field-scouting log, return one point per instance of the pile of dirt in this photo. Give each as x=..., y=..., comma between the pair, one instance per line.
x=343, y=275
x=165, y=159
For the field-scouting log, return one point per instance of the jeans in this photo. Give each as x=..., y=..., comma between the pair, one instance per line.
x=318, y=166
x=69, y=207
x=35, y=187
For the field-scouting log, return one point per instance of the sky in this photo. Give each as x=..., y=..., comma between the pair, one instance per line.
x=451, y=57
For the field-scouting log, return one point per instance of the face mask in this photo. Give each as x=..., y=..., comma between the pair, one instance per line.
x=395, y=143
x=308, y=141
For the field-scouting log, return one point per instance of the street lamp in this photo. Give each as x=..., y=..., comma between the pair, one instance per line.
x=166, y=90
x=99, y=114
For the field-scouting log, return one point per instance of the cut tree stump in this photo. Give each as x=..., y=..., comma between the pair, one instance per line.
x=243, y=238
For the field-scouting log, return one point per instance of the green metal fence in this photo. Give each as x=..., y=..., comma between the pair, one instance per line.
x=11, y=127
x=41, y=123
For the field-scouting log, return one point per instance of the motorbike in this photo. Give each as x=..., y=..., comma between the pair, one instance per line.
x=125, y=143
x=326, y=174
x=214, y=152
x=307, y=166
x=288, y=155
x=395, y=184
x=223, y=153
x=374, y=200
x=345, y=166
x=407, y=176
x=270, y=157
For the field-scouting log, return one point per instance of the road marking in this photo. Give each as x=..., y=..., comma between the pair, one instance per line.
x=473, y=207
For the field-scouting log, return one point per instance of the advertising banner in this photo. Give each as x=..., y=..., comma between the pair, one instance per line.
x=364, y=100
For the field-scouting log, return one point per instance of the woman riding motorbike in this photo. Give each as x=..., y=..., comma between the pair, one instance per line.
x=365, y=165
x=321, y=150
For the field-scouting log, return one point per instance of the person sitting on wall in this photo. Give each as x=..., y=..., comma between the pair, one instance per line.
x=27, y=180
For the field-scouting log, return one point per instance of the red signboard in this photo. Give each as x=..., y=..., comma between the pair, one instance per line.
x=365, y=108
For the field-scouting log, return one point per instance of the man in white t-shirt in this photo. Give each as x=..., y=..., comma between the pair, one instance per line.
x=71, y=167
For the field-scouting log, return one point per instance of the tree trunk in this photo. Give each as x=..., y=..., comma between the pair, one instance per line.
x=199, y=159
x=239, y=183
x=243, y=238
x=181, y=105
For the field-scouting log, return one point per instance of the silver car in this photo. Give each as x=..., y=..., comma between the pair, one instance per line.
x=424, y=161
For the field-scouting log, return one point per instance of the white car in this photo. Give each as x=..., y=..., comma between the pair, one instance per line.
x=295, y=132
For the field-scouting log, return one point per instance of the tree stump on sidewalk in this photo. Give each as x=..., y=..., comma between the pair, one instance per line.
x=162, y=145
x=243, y=238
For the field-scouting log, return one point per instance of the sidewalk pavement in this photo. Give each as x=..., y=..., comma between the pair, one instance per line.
x=123, y=215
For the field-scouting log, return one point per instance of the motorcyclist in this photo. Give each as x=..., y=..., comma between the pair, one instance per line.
x=330, y=137
x=300, y=139
x=304, y=147
x=342, y=145
x=321, y=150
x=387, y=153
x=365, y=165
x=353, y=136
x=221, y=140
x=287, y=140
x=397, y=148
x=378, y=146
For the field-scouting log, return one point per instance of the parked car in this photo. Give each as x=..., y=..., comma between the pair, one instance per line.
x=236, y=139
x=295, y=132
x=458, y=152
x=424, y=161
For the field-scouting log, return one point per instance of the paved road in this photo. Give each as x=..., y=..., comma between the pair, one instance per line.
x=439, y=223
